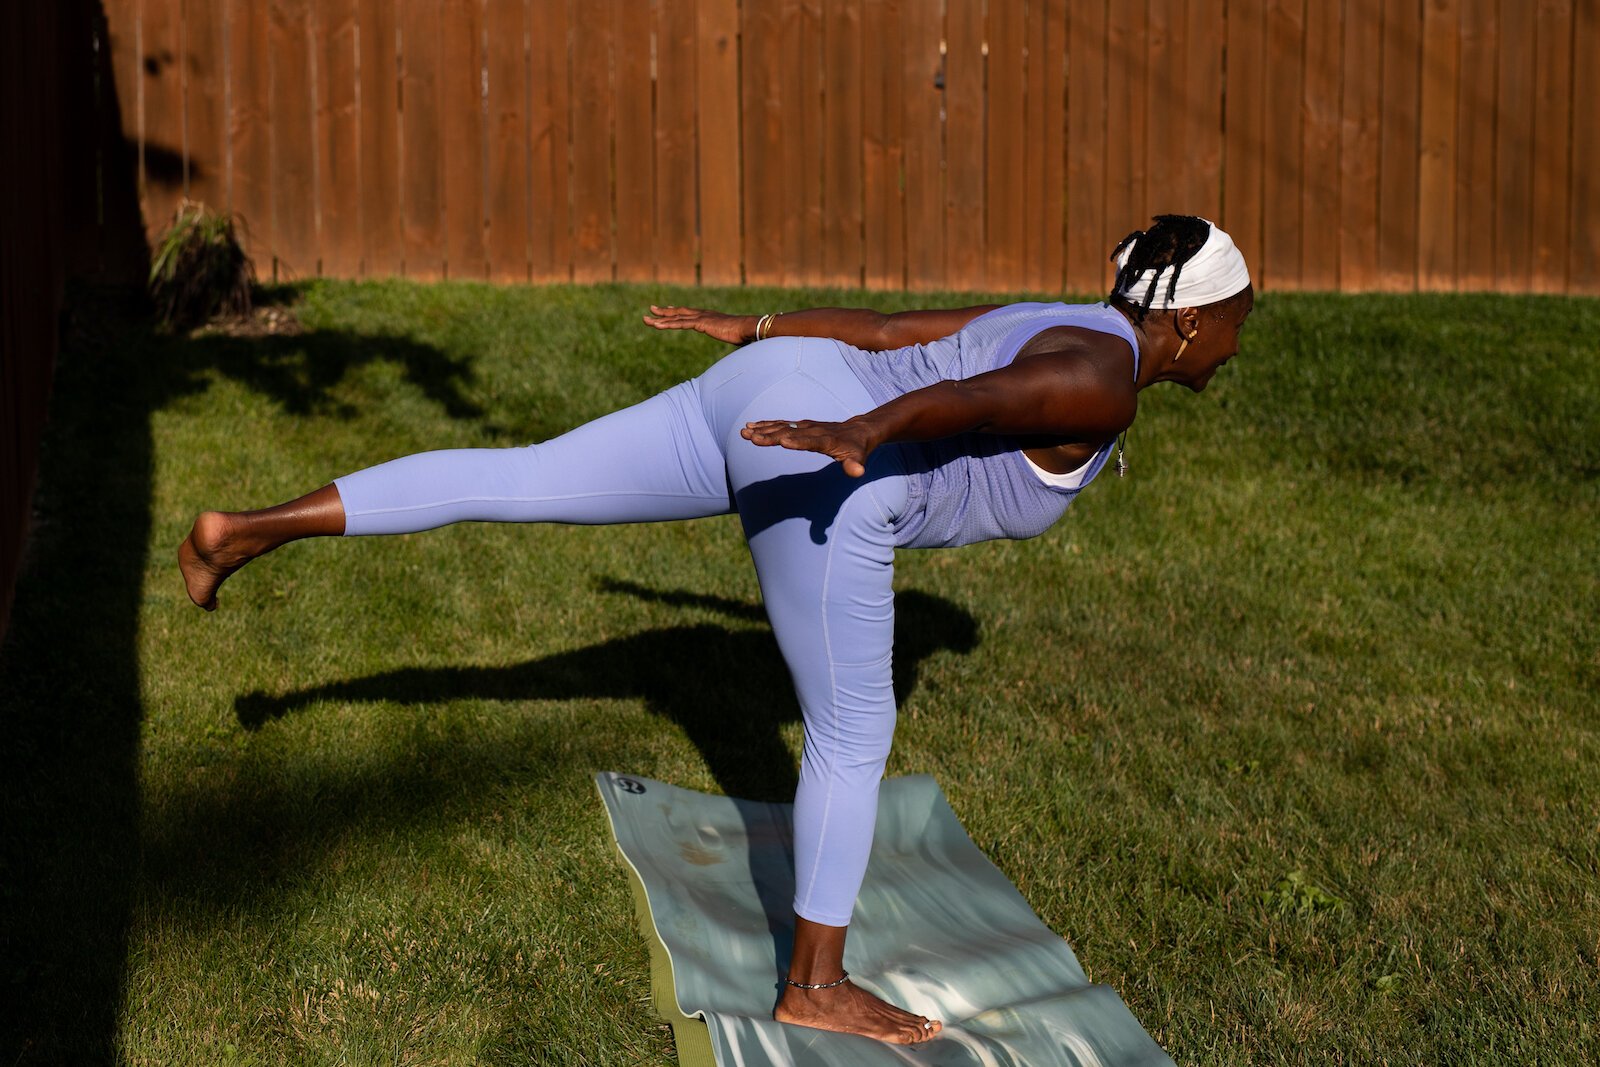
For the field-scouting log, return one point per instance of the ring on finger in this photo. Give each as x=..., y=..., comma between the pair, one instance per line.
x=794, y=426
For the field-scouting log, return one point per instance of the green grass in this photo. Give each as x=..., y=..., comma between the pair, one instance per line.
x=1292, y=733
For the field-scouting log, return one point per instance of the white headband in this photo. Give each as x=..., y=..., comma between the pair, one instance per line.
x=1214, y=273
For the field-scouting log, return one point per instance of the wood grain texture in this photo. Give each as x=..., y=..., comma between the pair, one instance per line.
x=1358, y=146
x=1088, y=217
x=1244, y=181
x=1004, y=120
x=674, y=142
x=1584, y=268
x=1399, y=145
x=1044, y=198
x=552, y=211
x=1552, y=142
x=1203, y=41
x=1436, y=166
x=1513, y=149
x=506, y=132
x=378, y=120
x=764, y=163
x=421, y=141
x=1319, y=191
x=205, y=123
x=925, y=90
x=842, y=149
x=883, y=146
x=1475, y=136
x=461, y=78
x=163, y=144
x=718, y=144
x=1127, y=84
x=964, y=157
x=1281, y=208
x=634, y=141
x=338, y=132
x=594, y=127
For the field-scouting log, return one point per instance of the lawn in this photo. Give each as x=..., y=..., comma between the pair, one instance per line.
x=1292, y=733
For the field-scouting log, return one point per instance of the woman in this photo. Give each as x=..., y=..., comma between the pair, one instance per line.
x=920, y=429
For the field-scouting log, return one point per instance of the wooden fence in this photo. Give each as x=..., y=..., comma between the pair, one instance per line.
x=1347, y=144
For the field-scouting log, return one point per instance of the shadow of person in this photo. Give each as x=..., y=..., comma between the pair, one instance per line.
x=717, y=684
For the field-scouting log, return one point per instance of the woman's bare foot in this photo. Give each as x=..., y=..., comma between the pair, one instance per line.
x=847, y=1009
x=210, y=553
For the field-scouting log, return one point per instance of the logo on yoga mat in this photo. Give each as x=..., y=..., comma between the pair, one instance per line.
x=628, y=785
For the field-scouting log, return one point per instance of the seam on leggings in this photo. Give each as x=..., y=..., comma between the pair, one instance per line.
x=519, y=500
x=833, y=704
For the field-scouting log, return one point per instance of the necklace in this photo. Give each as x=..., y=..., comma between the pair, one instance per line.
x=1122, y=464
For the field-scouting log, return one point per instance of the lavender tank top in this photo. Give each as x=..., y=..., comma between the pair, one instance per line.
x=978, y=486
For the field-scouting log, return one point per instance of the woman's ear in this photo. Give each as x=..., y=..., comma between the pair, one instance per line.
x=1187, y=322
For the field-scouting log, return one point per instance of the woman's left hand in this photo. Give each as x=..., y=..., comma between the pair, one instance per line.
x=850, y=443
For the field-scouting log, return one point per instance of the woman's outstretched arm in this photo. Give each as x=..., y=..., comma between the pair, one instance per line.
x=1067, y=385
x=863, y=328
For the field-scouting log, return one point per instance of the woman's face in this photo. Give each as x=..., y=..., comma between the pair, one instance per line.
x=1217, y=339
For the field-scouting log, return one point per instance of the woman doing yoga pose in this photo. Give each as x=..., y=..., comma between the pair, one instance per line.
x=837, y=437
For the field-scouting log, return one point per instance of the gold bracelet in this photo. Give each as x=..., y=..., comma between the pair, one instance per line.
x=764, y=325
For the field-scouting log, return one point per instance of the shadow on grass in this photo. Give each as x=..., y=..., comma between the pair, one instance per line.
x=69, y=668
x=728, y=689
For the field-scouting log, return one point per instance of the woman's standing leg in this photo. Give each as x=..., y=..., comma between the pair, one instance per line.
x=654, y=461
x=823, y=545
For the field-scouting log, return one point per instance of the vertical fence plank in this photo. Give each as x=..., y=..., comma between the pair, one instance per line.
x=1127, y=91
x=293, y=190
x=1244, y=180
x=1584, y=268
x=1164, y=151
x=81, y=63
x=925, y=93
x=550, y=111
x=883, y=141
x=675, y=142
x=339, y=176
x=1397, y=160
x=460, y=93
x=164, y=151
x=634, y=141
x=1319, y=198
x=122, y=42
x=594, y=120
x=249, y=130
x=1552, y=113
x=842, y=143
x=1044, y=198
x=718, y=143
x=1284, y=175
x=1436, y=165
x=964, y=158
x=1004, y=119
x=1088, y=215
x=1513, y=149
x=204, y=121
x=506, y=130
x=1204, y=36
x=801, y=144
x=1358, y=147
x=1475, y=132
x=421, y=141
x=763, y=142
x=379, y=122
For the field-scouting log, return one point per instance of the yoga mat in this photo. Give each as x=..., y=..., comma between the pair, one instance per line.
x=937, y=929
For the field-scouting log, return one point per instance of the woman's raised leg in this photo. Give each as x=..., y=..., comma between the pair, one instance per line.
x=651, y=462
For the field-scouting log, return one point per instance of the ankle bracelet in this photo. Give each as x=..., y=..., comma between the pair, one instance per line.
x=819, y=985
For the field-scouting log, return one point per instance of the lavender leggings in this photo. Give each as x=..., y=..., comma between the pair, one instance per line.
x=823, y=545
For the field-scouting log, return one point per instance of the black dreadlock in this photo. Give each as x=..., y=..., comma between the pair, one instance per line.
x=1171, y=242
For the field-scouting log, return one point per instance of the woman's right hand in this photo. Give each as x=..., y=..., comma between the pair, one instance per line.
x=734, y=329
